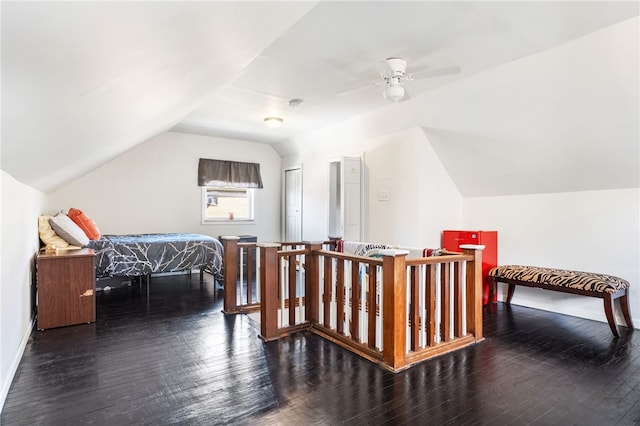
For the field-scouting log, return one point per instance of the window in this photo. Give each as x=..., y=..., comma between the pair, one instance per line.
x=227, y=204
x=227, y=189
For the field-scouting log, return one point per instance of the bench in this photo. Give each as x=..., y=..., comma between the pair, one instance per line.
x=607, y=287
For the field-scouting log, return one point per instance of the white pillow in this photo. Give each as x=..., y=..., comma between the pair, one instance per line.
x=68, y=230
x=48, y=235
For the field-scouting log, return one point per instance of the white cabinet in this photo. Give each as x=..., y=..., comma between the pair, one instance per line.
x=345, y=198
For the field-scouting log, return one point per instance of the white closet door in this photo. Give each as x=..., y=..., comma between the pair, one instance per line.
x=345, y=198
x=352, y=201
x=293, y=204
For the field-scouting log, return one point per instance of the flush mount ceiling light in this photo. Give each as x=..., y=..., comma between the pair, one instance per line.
x=273, y=122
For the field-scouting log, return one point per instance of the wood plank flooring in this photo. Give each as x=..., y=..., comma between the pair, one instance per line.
x=176, y=359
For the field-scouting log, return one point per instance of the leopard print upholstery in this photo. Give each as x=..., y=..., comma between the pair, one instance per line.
x=589, y=281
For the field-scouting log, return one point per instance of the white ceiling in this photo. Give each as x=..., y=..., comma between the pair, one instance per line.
x=83, y=82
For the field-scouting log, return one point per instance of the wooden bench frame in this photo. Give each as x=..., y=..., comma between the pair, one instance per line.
x=608, y=298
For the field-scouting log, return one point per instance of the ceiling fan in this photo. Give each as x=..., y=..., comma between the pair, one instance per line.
x=394, y=76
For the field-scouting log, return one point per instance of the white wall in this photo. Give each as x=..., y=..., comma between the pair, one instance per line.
x=21, y=206
x=594, y=231
x=153, y=188
x=422, y=198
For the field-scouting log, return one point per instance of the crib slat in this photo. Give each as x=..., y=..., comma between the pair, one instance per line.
x=373, y=306
x=340, y=296
x=355, y=301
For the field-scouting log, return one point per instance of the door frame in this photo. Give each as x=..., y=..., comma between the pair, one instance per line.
x=283, y=219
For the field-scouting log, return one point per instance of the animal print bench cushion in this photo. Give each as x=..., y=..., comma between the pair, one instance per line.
x=599, y=283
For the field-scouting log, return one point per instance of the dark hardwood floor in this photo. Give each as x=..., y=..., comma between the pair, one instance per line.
x=176, y=359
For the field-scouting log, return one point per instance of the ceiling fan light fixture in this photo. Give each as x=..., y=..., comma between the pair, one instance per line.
x=393, y=93
x=273, y=122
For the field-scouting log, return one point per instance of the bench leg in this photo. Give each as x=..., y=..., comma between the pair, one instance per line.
x=624, y=305
x=608, y=311
x=492, y=291
x=512, y=289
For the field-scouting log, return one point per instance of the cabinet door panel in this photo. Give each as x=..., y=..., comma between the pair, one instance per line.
x=66, y=287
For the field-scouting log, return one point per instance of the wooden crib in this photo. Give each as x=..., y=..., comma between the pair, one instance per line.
x=395, y=308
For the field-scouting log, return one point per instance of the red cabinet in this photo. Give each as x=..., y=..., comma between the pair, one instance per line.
x=451, y=240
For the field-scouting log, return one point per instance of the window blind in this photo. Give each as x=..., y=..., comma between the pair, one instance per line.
x=223, y=173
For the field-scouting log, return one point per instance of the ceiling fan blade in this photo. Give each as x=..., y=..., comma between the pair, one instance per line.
x=434, y=73
x=358, y=89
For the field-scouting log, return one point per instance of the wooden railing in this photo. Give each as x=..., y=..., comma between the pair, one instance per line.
x=239, y=270
x=242, y=266
x=392, y=310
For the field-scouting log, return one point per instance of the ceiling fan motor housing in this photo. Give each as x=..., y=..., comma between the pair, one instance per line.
x=398, y=66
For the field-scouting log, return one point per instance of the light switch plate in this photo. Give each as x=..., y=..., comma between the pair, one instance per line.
x=383, y=195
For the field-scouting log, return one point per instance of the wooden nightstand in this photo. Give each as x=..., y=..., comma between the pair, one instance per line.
x=66, y=288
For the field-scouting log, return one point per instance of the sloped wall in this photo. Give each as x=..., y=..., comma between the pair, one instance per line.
x=563, y=120
x=21, y=206
x=422, y=198
x=153, y=188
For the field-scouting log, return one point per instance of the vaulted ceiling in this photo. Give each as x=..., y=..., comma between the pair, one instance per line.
x=83, y=82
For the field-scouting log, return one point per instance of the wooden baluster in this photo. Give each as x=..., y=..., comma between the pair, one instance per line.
x=312, y=285
x=430, y=303
x=445, y=302
x=394, y=306
x=249, y=275
x=354, y=329
x=291, y=260
x=230, y=278
x=373, y=305
x=457, y=299
x=269, y=291
x=414, y=310
x=340, y=296
x=326, y=298
x=474, y=289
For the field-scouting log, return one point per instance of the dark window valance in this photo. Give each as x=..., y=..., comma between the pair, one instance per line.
x=224, y=173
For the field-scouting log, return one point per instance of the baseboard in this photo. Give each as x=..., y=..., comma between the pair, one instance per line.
x=15, y=364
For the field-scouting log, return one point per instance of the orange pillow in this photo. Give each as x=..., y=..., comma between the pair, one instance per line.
x=85, y=223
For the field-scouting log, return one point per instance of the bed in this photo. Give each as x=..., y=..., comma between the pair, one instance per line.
x=145, y=254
